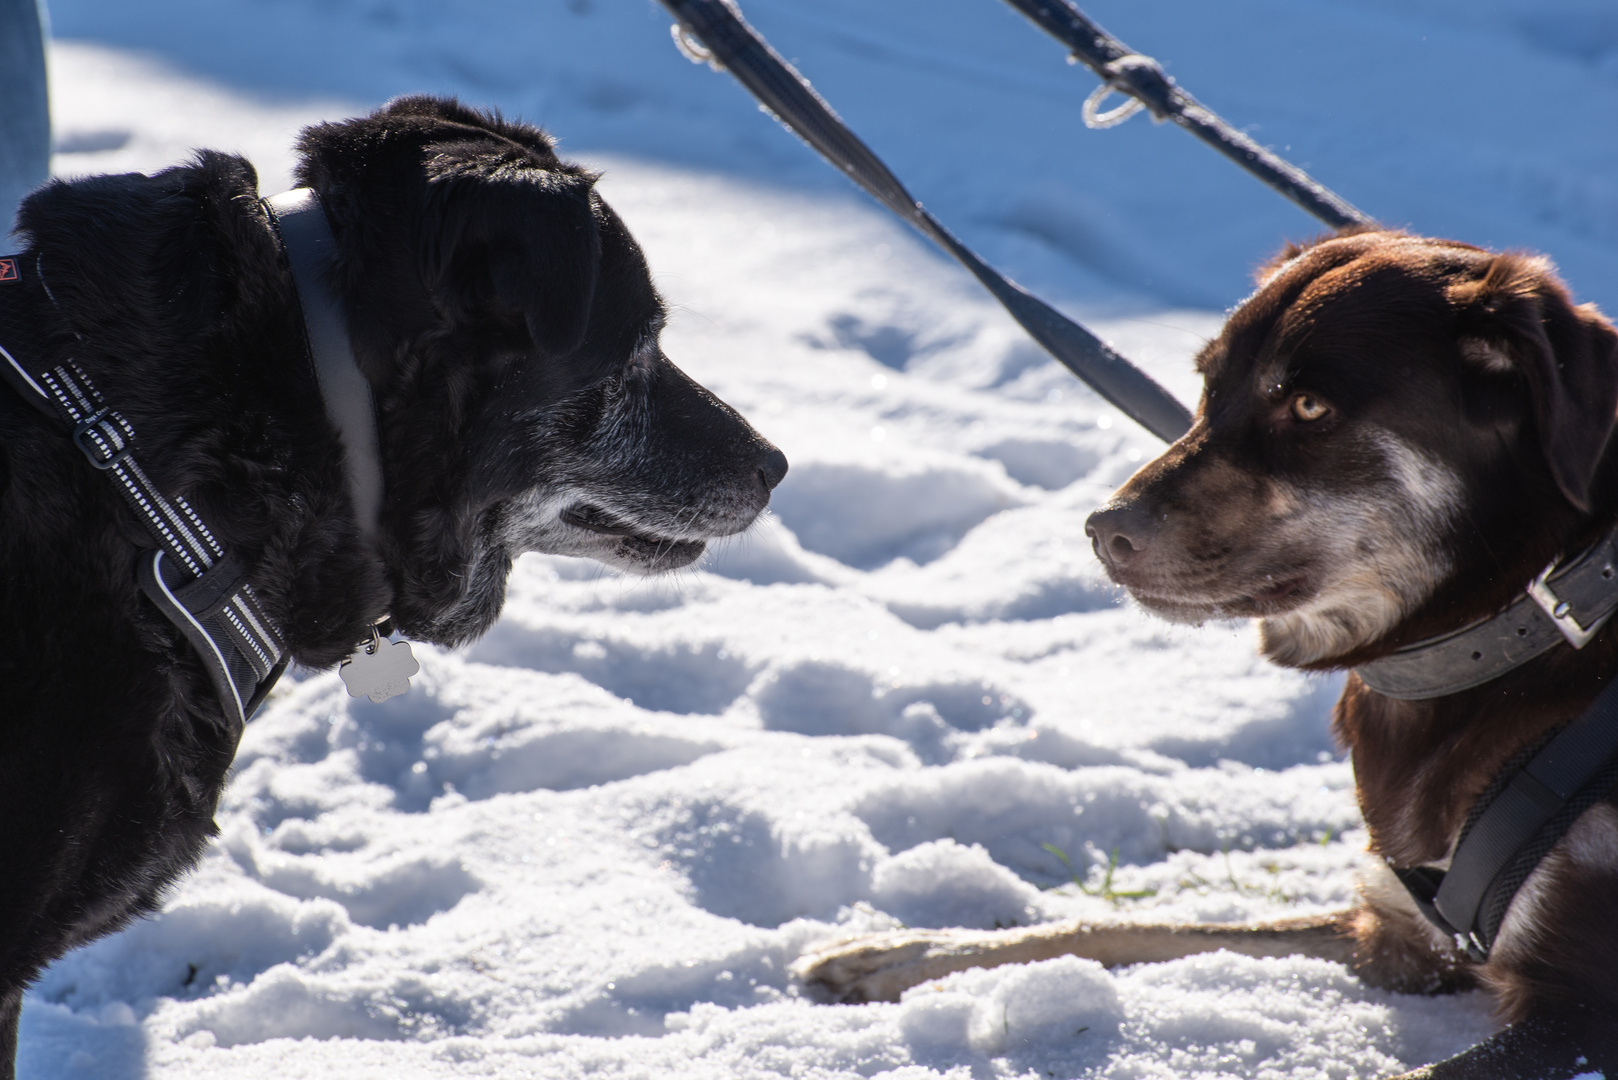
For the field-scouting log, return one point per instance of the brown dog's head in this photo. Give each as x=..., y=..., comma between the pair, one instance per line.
x=1395, y=434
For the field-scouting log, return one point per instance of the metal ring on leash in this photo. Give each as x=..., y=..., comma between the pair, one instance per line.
x=1096, y=120
x=1120, y=67
x=692, y=49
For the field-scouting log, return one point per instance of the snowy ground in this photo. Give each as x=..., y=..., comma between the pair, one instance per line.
x=593, y=842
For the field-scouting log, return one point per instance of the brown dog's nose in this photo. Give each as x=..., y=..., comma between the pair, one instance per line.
x=772, y=468
x=1120, y=534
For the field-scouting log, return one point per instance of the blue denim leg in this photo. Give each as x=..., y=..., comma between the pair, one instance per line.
x=25, y=119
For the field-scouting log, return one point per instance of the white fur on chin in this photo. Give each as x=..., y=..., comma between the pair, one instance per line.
x=1385, y=552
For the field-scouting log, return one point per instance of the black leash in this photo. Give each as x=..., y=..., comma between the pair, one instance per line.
x=729, y=42
x=1140, y=77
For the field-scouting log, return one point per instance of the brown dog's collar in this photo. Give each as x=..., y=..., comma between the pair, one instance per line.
x=1531, y=804
x=1567, y=602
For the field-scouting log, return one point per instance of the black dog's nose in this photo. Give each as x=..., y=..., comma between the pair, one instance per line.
x=772, y=469
x=1120, y=534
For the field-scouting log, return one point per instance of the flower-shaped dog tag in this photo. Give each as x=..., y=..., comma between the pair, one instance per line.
x=379, y=669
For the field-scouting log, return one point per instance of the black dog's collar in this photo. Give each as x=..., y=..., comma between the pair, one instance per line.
x=305, y=234
x=372, y=670
x=1570, y=603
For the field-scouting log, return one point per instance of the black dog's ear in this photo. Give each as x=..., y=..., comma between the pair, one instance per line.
x=1517, y=316
x=506, y=233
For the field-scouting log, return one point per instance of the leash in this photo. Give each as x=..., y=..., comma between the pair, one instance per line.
x=1538, y=796
x=1143, y=81
x=714, y=32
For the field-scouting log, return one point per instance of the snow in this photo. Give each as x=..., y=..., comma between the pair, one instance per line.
x=593, y=842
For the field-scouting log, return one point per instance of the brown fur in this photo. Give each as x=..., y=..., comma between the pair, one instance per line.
x=1396, y=434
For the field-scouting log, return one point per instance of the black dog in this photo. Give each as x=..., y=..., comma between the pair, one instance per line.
x=508, y=329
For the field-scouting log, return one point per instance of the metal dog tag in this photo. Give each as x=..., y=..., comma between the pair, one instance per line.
x=379, y=669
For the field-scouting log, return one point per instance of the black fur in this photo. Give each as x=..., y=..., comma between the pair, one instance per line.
x=507, y=324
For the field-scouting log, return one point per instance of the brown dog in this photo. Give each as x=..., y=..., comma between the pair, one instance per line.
x=1397, y=435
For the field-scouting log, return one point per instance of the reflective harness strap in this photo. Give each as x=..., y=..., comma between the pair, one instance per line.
x=190, y=577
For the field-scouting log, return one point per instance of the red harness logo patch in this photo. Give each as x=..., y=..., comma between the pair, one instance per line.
x=8, y=270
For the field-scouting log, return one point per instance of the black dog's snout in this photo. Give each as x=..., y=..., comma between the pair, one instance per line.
x=772, y=468
x=1120, y=534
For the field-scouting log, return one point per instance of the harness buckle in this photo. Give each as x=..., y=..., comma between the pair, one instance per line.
x=92, y=452
x=1561, y=612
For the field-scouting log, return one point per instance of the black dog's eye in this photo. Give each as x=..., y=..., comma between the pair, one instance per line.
x=1308, y=408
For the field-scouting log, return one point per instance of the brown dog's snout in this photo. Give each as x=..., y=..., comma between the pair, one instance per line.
x=1120, y=534
x=772, y=468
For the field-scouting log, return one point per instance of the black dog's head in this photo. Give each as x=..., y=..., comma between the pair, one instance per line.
x=507, y=323
x=1395, y=434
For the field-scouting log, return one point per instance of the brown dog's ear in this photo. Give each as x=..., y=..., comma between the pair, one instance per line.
x=523, y=239
x=1517, y=315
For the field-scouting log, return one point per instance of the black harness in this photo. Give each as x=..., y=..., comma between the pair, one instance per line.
x=1533, y=802
x=191, y=577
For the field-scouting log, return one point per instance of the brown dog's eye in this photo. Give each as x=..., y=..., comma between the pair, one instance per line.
x=1308, y=408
